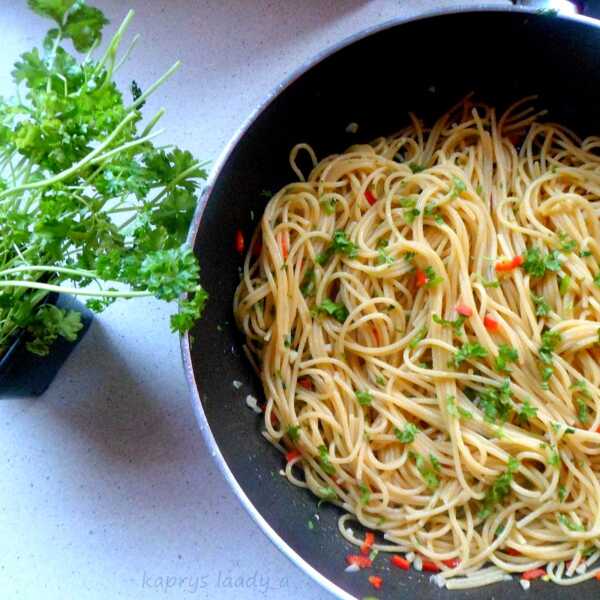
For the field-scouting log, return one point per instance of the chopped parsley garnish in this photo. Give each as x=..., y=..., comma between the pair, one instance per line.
x=416, y=168
x=536, y=263
x=562, y=492
x=383, y=258
x=506, y=354
x=582, y=411
x=585, y=253
x=340, y=244
x=458, y=186
x=365, y=494
x=456, y=324
x=380, y=380
x=287, y=341
x=527, y=412
x=565, y=284
x=293, y=432
x=410, y=215
x=496, y=402
x=435, y=463
x=327, y=493
x=456, y=411
x=307, y=287
x=567, y=244
x=407, y=435
x=597, y=280
x=498, y=491
x=324, y=460
x=550, y=340
x=408, y=202
x=432, y=277
x=310, y=524
x=334, y=309
x=554, y=458
x=468, y=351
x=427, y=473
x=542, y=308
x=569, y=524
x=420, y=336
x=490, y=283
x=408, y=256
x=328, y=205
x=431, y=210
x=364, y=398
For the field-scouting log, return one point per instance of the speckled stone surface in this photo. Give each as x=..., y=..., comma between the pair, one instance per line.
x=106, y=488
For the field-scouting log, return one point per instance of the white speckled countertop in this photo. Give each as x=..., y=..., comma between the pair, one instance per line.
x=106, y=488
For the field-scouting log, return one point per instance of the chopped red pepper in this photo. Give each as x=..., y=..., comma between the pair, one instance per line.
x=375, y=581
x=362, y=562
x=370, y=197
x=491, y=324
x=239, y=241
x=464, y=310
x=292, y=454
x=430, y=566
x=274, y=419
x=400, y=562
x=368, y=543
x=452, y=563
x=306, y=383
x=509, y=265
x=598, y=576
x=421, y=278
x=284, y=247
x=598, y=430
x=512, y=552
x=533, y=574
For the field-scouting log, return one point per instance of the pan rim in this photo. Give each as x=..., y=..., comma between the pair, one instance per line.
x=214, y=174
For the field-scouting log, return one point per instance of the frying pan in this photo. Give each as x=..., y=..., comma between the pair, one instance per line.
x=374, y=79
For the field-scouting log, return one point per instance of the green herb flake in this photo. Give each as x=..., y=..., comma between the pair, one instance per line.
x=433, y=279
x=498, y=491
x=470, y=350
x=536, y=263
x=506, y=355
x=542, y=308
x=526, y=413
x=337, y=310
x=564, y=285
x=427, y=472
x=567, y=244
x=308, y=284
x=406, y=435
x=324, y=460
x=328, y=205
x=364, y=398
x=416, y=168
x=380, y=380
x=569, y=524
x=293, y=432
x=456, y=325
x=562, y=492
x=365, y=494
x=418, y=338
x=410, y=215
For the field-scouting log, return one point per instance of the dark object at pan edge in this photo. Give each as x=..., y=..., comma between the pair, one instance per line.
x=375, y=78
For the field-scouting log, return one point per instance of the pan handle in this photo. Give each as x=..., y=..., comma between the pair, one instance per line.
x=589, y=8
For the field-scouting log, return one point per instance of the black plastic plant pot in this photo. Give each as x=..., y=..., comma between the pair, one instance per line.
x=23, y=374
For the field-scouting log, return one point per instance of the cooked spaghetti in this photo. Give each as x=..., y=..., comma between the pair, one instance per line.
x=424, y=313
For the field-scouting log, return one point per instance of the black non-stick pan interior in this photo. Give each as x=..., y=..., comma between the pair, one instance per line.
x=423, y=66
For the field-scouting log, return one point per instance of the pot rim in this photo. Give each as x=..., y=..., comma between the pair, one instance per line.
x=185, y=346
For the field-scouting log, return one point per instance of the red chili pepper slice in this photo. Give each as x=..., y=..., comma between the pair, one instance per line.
x=464, y=310
x=239, y=241
x=430, y=566
x=400, y=562
x=368, y=543
x=491, y=324
x=421, y=278
x=533, y=574
x=362, y=562
x=452, y=563
x=370, y=197
x=292, y=454
x=306, y=383
x=509, y=265
x=375, y=581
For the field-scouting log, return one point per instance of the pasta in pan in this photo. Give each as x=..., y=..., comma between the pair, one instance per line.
x=424, y=313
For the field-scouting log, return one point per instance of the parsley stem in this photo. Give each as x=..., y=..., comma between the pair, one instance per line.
x=127, y=53
x=75, y=291
x=153, y=121
x=126, y=146
x=74, y=168
x=52, y=269
x=114, y=43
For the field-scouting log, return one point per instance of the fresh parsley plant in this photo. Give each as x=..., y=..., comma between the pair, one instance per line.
x=88, y=204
